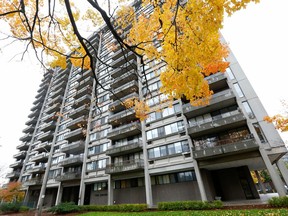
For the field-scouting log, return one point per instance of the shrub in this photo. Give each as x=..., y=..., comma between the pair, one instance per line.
x=10, y=207
x=189, y=205
x=24, y=209
x=63, y=208
x=278, y=202
x=119, y=208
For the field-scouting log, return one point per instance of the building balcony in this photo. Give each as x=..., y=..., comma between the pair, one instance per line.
x=48, y=126
x=33, y=181
x=17, y=164
x=26, y=137
x=48, y=118
x=77, y=123
x=83, y=75
x=64, y=72
x=61, y=78
x=43, y=147
x=41, y=93
x=125, y=166
x=73, y=148
x=218, y=124
x=86, y=99
x=218, y=80
x=117, y=105
x=39, y=100
x=118, y=54
x=124, y=90
x=20, y=155
x=42, y=157
x=130, y=147
x=225, y=147
x=14, y=174
x=122, y=117
x=59, y=85
x=46, y=136
x=74, y=135
x=123, y=59
x=29, y=129
x=55, y=100
x=132, y=64
x=68, y=177
x=23, y=146
x=123, y=79
x=84, y=91
x=58, y=92
x=124, y=131
x=71, y=161
x=80, y=111
x=219, y=100
x=36, y=106
x=52, y=109
x=34, y=114
x=38, y=169
x=31, y=121
x=86, y=82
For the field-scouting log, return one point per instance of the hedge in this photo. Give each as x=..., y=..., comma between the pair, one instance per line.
x=189, y=205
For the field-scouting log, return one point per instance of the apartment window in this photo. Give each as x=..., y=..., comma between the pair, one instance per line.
x=56, y=160
x=230, y=73
x=165, y=112
x=103, y=98
x=170, y=149
x=156, y=99
x=54, y=173
x=248, y=109
x=99, y=186
x=152, y=87
x=98, y=135
x=60, y=137
x=259, y=132
x=173, y=178
x=95, y=165
x=166, y=130
x=98, y=149
x=238, y=90
x=129, y=183
x=99, y=122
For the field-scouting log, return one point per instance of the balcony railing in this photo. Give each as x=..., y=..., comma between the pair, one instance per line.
x=68, y=176
x=131, y=129
x=74, y=135
x=57, y=99
x=221, y=99
x=49, y=117
x=125, y=166
x=84, y=75
x=40, y=157
x=61, y=78
x=33, y=181
x=14, y=174
x=216, y=78
x=23, y=146
x=26, y=137
x=53, y=108
x=74, y=124
x=86, y=82
x=132, y=64
x=117, y=105
x=73, y=148
x=46, y=136
x=225, y=147
x=86, y=99
x=123, y=59
x=29, y=129
x=57, y=93
x=125, y=78
x=17, y=164
x=38, y=169
x=20, y=155
x=43, y=147
x=31, y=121
x=71, y=161
x=35, y=113
x=124, y=90
x=39, y=100
x=218, y=123
x=37, y=106
x=83, y=110
x=48, y=126
x=131, y=146
x=83, y=91
x=122, y=117
x=59, y=85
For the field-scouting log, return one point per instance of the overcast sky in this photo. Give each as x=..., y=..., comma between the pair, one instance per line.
x=258, y=37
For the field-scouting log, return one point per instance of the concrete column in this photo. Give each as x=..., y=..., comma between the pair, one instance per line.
x=283, y=169
x=110, y=191
x=199, y=181
x=273, y=174
x=262, y=187
x=26, y=198
x=59, y=194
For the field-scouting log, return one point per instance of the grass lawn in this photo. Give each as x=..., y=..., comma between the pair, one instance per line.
x=270, y=212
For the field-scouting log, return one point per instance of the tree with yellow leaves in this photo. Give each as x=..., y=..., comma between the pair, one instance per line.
x=280, y=120
x=182, y=33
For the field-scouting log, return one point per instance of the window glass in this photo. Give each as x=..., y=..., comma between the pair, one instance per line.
x=248, y=109
x=238, y=90
x=230, y=73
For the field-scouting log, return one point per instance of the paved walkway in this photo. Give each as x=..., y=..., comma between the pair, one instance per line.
x=263, y=200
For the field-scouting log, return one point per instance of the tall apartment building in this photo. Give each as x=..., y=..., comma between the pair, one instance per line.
x=104, y=155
